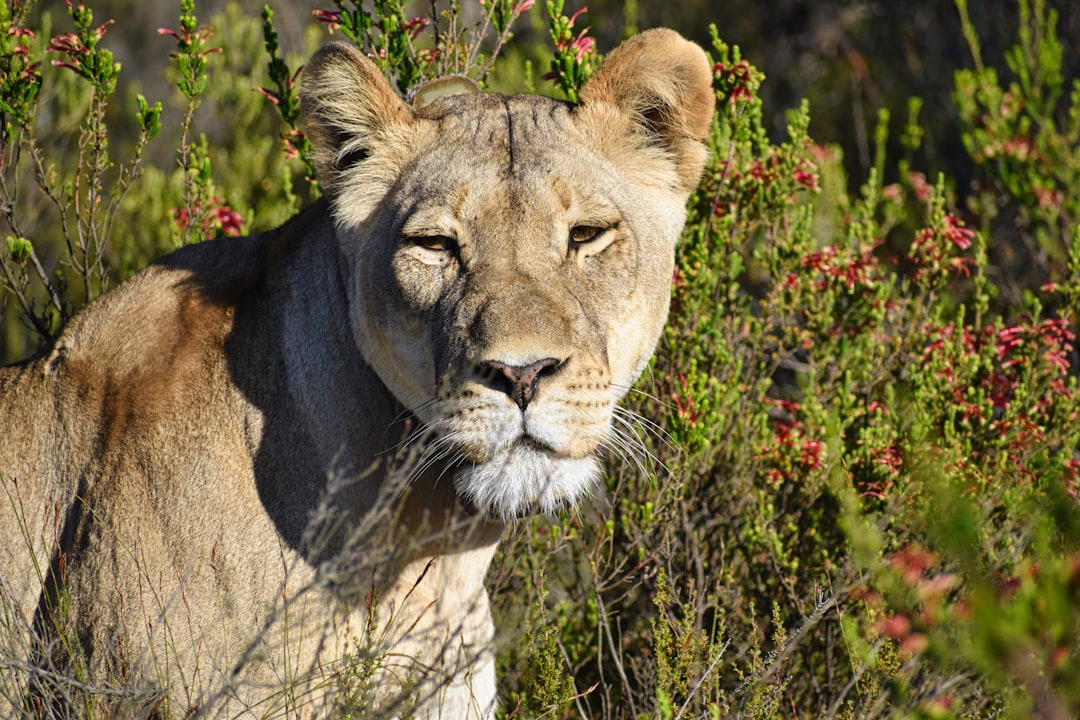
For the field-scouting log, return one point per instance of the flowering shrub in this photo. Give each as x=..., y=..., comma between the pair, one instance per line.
x=847, y=484
x=863, y=452
x=412, y=49
x=575, y=55
x=1024, y=144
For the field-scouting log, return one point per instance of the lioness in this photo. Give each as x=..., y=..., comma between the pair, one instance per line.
x=266, y=471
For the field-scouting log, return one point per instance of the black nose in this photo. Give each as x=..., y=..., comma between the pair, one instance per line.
x=519, y=382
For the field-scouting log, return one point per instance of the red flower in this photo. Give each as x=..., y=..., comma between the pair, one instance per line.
x=230, y=222
x=812, y=451
x=684, y=402
x=912, y=562
x=932, y=248
x=739, y=75
x=806, y=177
x=219, y=217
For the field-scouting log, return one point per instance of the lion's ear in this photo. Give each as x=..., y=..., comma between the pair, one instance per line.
x=664, y=84
x=347, y=105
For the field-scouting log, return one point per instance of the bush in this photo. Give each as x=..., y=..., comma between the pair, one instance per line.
x=846, y=486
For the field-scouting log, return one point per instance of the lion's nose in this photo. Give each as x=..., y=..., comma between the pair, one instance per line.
x=519, y=382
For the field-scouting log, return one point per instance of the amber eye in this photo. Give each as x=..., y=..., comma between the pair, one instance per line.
x=435, y=243
x=583, y=234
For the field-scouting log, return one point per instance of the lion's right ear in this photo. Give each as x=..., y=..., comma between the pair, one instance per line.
x=663, y=84
x=348, y=106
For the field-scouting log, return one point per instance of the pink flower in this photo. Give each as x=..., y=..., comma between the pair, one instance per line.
x=920, y=185
x=957, y=233
x=894, y=626
x=913, y=562
x=99, y=31
x=416, y=26
x=583, y=45
x=427, y=56
x=68, y=43
x=229, y=221
x=268, y=94
x=187, y=41
x=1047, y=198
x=331, y=18
x=1009, y=339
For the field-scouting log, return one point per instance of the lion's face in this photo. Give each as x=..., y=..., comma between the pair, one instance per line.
x=510, y=263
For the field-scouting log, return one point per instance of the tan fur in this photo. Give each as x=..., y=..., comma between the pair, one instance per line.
x=263, y=465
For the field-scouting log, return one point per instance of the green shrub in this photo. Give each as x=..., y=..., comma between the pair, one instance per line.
x=856, y=450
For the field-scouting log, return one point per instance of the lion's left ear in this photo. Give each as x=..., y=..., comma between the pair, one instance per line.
x=664, y=84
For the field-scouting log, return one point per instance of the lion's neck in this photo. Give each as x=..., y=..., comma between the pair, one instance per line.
x=330, y=453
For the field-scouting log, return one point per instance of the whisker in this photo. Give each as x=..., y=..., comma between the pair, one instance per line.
x=626, y=448
x=649, y=425
x=630, y=452
x=619, y=452
x=628, y=389
x=438, y=449
x=415, y=436
x=650, y=428
x=627, y=433
x=405, y=412
x=432, y=453
x=453, y=462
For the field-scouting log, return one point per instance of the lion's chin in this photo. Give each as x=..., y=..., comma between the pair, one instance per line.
x=524, y=480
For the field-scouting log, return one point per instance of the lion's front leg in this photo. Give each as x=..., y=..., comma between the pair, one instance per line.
x=435, y=638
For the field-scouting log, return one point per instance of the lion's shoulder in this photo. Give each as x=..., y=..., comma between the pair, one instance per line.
x=182, y=307
x=177, y=307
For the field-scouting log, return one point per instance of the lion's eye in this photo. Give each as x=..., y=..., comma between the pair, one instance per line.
x=435, y=243
x=431, y=249
x=583, y=234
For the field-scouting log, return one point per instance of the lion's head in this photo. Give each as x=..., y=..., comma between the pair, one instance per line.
x=510, y=258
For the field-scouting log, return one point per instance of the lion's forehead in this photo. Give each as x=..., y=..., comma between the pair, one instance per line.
x=491, y=118
x=501, y=136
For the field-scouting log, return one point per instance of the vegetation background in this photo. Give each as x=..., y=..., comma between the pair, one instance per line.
x=847, y=485
x=848, y=58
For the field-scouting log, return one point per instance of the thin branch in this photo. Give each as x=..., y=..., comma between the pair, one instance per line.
x=701, y=680
x=615, y=656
